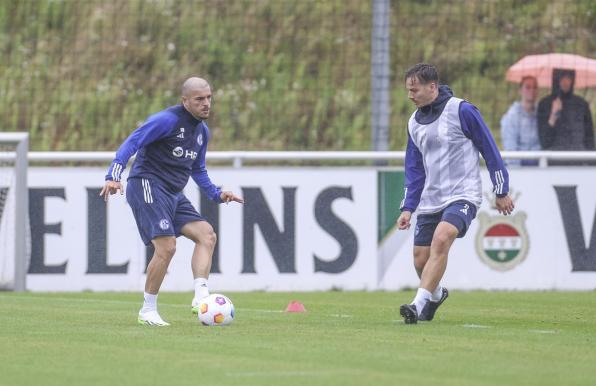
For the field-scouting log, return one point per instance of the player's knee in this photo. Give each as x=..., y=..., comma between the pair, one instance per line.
x=443, y=240
x=171, y=250
x=166, y=250
x=210, y=239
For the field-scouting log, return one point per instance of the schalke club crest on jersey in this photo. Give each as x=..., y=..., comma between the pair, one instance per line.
x=502, y=242
x=200, y=139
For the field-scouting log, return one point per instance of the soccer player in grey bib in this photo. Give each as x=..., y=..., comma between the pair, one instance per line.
x=442, y=182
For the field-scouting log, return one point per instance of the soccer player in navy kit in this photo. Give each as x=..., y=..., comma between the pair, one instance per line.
x=171, y=147
x=442, y=181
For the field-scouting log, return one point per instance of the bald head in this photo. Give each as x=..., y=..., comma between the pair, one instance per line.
x=192, y=84
x=196, y=97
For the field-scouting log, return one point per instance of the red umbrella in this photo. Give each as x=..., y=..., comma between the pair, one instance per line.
x=541, y=67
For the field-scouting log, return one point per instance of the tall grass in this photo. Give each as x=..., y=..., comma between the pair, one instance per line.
x=286, y=74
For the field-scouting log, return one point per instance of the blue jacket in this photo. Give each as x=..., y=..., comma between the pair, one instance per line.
x=171, y=146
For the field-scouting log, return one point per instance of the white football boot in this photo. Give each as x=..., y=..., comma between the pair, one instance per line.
x=194, y=306
x=151, y=318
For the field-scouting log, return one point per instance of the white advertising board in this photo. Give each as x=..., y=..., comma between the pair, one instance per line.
x=300, y=229
x=548, y=243
x=306, y=229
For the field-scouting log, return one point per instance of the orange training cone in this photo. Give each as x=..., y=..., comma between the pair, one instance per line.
x=295, y=306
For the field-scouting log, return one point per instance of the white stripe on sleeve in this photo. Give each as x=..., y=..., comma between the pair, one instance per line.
x=499, y=181
x=116, y=172
x=403, y=202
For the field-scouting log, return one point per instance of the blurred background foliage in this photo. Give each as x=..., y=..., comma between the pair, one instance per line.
x=286, y=74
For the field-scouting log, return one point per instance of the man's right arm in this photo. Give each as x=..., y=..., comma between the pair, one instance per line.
x=415, y=177
x=156, y=127
x=546, y=132
x=589, y=128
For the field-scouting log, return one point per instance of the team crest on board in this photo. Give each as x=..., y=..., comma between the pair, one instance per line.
x=502, y=242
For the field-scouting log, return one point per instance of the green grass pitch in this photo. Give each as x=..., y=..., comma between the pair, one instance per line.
x=344, y=338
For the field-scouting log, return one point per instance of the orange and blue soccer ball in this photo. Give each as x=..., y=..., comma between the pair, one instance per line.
x=216, y=310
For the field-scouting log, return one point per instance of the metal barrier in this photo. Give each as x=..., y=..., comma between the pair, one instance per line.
x=237, y=158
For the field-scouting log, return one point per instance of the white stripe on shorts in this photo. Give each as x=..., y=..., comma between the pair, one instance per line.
x=147, y=191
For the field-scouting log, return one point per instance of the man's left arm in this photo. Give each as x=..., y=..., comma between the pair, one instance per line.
x=201, y=177
x=475, y=128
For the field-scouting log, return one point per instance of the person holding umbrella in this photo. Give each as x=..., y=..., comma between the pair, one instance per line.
x=564, y=119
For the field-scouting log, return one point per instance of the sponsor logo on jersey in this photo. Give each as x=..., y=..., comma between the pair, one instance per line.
x=178, y=151
x=181, y=135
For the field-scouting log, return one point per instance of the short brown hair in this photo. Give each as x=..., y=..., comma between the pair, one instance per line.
x=426, y=73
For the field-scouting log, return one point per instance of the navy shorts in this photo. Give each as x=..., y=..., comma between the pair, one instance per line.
x=157, y=211
x=459, y=213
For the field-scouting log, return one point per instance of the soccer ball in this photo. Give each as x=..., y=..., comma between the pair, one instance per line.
x=216, y=310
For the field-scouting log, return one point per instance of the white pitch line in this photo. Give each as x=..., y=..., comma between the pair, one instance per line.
x=140, y=301
x=277, y=373
x=72, y=300
x=260, y=310
x=114, y=301
x=475, y=326
x=543, y=331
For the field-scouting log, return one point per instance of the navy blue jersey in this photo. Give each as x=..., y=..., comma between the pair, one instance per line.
x=170, y=146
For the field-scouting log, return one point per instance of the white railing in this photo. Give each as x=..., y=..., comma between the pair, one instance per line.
x=237, y=158
x=544, y=156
